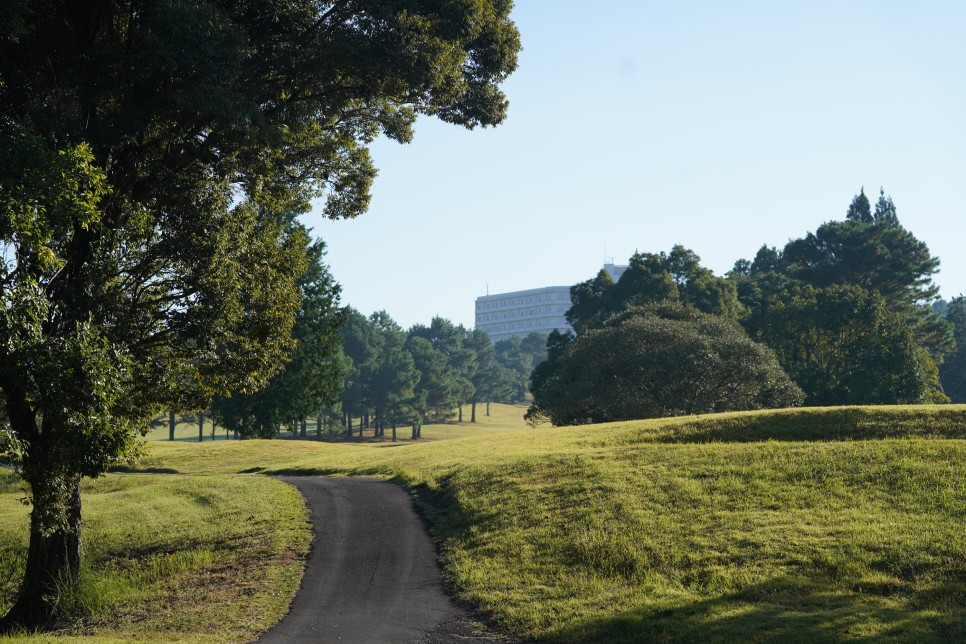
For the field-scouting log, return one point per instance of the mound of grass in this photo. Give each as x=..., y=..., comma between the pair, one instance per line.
x=811, y=424
x=796, y=525
x=171, y=558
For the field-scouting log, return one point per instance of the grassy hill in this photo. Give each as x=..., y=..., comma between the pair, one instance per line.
x=791, y=525
x=801, y=525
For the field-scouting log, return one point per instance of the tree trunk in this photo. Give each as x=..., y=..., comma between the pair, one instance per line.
x=394, y=431
x=318, y=426
x=487, y=407
x=201, y=426
x=52, y=556
x=302, y=429
x=349, y=425
x=171, y=424
x=473, y=412
x=460, y=419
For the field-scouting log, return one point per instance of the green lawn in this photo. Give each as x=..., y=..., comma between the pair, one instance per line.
x=783, y=526
x=805, y=525
x=172, y=558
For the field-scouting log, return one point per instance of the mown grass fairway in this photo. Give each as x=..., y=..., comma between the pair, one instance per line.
x=804, y=525
x=172, y=558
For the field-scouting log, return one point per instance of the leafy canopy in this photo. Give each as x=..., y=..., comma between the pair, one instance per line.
x=652, y=278
x=666, y=360
x=154, y=158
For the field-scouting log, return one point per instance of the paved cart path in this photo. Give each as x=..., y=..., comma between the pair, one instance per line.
x=372, y=576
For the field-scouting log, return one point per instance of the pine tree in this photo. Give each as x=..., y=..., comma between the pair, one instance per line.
x=860, y=209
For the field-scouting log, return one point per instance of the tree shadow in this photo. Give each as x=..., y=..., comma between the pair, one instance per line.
x=789, y=610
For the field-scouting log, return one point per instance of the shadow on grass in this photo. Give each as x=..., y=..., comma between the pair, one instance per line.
x=814, y=424
x=784, y=611
x=125, y=469
x=299, y=471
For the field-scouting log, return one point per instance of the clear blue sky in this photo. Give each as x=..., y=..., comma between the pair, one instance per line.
x=721, y=126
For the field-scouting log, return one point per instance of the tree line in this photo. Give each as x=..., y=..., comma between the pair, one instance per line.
x=353, y=372
x=847, y=314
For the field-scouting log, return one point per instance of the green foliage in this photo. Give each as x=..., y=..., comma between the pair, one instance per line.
x=433, y=393
x=952, y=372
x=394, y=377
x=873, y=251
x=383, y=377
x=313, y=374
x=519, y=356
x=650, y=279
x=664, y=362
x=455, y=342
x=491, y=381
x=844, y=346
x=154, y=159
x=848, y=309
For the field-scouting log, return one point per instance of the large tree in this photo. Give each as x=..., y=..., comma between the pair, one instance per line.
x=844, y=346
x=491, y=380
x=872, y=250
x=313, y=374
x=663, y=360
x=153, y=156
x=952, y=372
x=455, y=342
x=649, y=279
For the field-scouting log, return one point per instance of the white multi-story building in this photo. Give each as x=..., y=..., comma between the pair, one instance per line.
x=520, y=313
x=539, y=310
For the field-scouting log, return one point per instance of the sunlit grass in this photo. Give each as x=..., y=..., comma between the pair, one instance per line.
x=816, y=525
x=171, y=558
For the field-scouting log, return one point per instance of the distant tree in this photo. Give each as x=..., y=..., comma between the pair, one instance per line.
x=590, y=301
x=650, y=279
x=873, y=251
x=360, y=343
x=843, y=345
x=313, y=374
x=952, y=372
x=885, y=210
x=860, y=210
x=433, y=391
x=535, y=345
x=663, y=361
x=518, y=363
x=491, y=381
x=518, y=356
x=453, y=341
x=393, y=378
x=646, y=280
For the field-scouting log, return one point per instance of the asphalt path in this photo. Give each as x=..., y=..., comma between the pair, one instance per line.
x=372, y=574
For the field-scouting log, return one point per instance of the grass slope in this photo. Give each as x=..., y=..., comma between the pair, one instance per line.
x=803, y=525
x=171, y=558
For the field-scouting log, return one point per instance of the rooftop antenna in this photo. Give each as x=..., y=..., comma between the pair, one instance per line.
x=487, y=289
